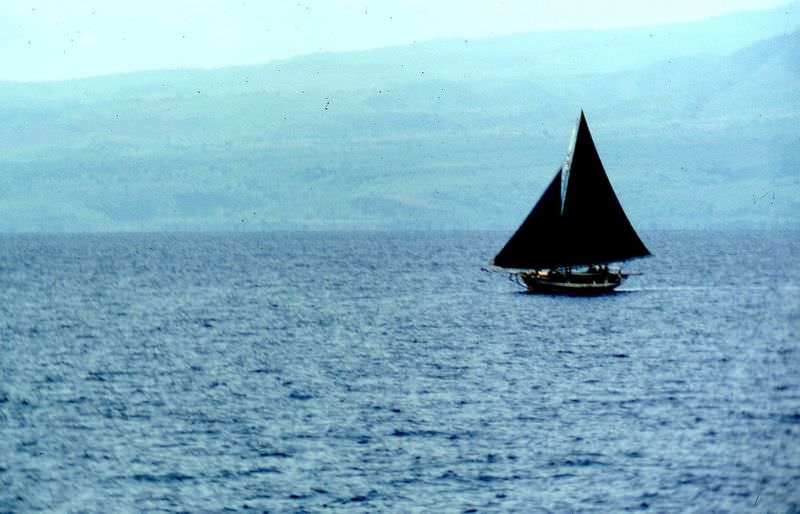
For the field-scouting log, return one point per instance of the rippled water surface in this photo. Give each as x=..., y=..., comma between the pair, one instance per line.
x=383, y=372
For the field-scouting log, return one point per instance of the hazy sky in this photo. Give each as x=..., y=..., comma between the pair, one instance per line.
x=56, y=39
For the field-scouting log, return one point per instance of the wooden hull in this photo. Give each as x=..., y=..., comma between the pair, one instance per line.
x=583, y=284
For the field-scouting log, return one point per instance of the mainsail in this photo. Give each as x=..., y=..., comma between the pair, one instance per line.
x=584, y=225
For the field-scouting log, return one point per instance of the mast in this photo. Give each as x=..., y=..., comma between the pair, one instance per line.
x=596, y=229
x=578, y=219
x=567, y=166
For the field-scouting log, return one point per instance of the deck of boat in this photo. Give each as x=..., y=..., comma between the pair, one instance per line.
x=578, y=283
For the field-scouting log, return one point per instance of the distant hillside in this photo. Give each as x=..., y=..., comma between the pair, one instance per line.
x=696, y=123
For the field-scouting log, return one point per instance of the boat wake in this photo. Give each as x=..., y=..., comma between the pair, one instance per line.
x=700, y=288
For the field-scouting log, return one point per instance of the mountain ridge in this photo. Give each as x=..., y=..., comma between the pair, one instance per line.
x=330, y=142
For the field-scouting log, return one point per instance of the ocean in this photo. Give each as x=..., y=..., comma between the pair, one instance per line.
x=384, y=372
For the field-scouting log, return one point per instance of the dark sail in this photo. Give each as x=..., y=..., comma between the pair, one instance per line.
x=597, y=228
x=537, y=242
x=584, y=225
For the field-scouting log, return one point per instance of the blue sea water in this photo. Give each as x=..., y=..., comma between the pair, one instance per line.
x=383, y=372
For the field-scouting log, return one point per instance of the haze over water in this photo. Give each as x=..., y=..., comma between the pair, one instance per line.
x=168, y=343
x=695, y=121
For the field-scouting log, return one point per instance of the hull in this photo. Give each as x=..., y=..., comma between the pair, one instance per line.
x=583, y=284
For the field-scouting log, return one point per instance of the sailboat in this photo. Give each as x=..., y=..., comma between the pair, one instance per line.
x=575, y=230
